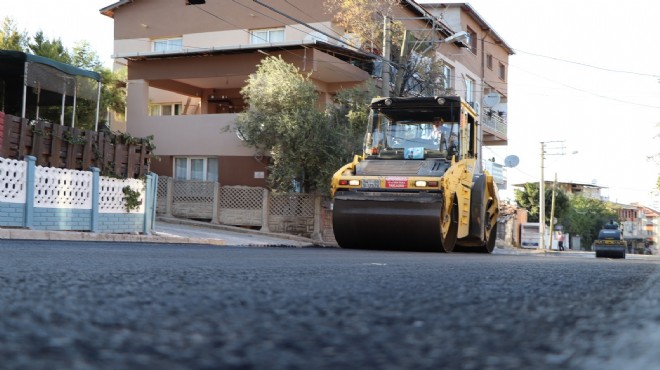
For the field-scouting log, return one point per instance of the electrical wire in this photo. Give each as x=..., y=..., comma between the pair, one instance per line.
x=588, y=65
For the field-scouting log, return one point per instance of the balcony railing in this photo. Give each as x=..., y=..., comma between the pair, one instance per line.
x=494, y=123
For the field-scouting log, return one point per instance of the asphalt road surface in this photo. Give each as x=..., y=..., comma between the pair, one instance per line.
x=146, y=306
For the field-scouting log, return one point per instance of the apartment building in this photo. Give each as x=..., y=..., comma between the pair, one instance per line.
x=641, y=227
x=479, y=72
x=187, y=63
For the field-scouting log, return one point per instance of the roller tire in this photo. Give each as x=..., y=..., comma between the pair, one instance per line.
x=449, y=241
x=490, y=244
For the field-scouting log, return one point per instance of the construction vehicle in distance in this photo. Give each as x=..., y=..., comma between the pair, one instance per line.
x=610, y=242
x=418, y=184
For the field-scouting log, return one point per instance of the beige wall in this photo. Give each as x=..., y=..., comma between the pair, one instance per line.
x=474, y=64
x=138, y=23
x=144, y=18
x=231, y=170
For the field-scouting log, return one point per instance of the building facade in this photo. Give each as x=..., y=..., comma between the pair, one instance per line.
x=481, y=69
x=641, y=227
x=187, y=64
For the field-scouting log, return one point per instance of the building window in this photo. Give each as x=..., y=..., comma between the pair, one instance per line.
x=196, y=168
x=266, y=36
x=166, y=109
x=489, y=61
x=446, y=77
x=168, y=44
x=469, y=90
x=502, y=72
x=472, y=40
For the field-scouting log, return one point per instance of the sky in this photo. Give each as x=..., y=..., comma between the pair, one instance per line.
x=585, y=80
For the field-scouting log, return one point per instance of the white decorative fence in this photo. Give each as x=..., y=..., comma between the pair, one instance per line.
x=49, y=198
x=12, y=184
x=294, y=213
x=112, y=196
x=60, y=188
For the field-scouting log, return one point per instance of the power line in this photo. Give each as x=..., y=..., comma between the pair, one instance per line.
x=589, y=92
x=572, y=62
x=588, y=65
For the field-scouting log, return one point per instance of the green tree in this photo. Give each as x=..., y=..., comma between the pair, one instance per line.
x=282, y=118
x=586, y=216
x=53, y=49
x=113, y=92
x=83, y=56
x=348, y=116
x=528, y=198
x=11, y=38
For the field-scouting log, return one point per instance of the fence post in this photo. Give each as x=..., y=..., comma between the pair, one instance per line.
x=96, y=195
x=148, y=182
x=316, y=234
x=170, y=196
x=265, y=211
x=29, y=190
x=216, y=204
x=154, y=202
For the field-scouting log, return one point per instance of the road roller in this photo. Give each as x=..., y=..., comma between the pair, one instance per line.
x=418, y=185
x=610, y=242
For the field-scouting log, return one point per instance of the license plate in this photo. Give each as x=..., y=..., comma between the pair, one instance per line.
x=371, y=184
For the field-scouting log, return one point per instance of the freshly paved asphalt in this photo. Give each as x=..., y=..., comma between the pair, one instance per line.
x=102, y=305
x=117, y=305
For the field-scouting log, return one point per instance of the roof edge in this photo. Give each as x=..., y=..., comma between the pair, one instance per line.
x=482, y=22
x=245, y=48
x=109, y=10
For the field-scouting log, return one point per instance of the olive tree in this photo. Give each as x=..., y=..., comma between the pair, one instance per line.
x=283, y=119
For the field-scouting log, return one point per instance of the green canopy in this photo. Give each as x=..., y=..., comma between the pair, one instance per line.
x=52, y=84
x=15, y=59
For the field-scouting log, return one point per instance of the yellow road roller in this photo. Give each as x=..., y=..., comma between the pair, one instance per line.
x=418, y=185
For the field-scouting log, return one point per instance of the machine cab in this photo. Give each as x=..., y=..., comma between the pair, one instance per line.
x=419, y=128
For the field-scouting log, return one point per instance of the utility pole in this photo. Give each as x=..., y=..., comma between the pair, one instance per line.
x=552, y=210
x=387, y=43
x=542, y=202
x=558, y=149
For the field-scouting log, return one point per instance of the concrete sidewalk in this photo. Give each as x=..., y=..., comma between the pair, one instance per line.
x=230, y=235
x=170, y=230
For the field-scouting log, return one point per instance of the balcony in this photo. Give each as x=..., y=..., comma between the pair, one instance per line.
x=494, y=128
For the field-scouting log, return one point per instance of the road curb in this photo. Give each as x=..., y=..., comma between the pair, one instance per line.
x=236, y=229
x=26, y=234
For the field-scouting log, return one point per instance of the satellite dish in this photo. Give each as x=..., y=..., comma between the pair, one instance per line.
x=491, y=100
x=511, y=161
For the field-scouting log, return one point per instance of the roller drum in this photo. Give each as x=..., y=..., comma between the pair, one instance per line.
x=388, y=221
